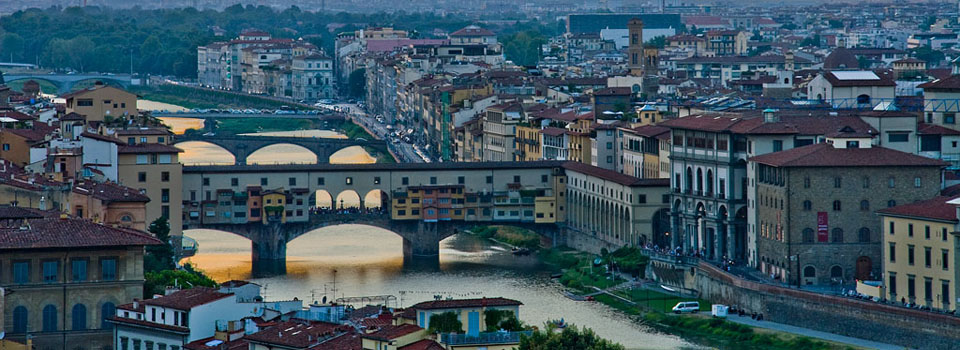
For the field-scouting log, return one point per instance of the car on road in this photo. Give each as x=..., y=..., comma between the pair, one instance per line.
x=686, y=307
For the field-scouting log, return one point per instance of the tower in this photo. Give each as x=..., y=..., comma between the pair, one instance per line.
x=635, y=57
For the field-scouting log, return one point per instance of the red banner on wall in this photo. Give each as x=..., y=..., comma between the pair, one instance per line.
x=822, y=227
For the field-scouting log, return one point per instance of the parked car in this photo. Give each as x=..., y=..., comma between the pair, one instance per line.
x=686, y=307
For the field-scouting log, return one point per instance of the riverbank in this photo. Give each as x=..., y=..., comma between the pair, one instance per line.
x=585, y=274
x=192, y=97
x=354, y=131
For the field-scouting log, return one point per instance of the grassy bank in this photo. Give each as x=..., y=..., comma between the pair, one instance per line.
x=582, y=273
x=354, y=131
x=191, y=97
x=514, y=236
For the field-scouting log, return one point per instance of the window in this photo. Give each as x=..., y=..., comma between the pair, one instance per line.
x=893, y=285
x=926, y=231
x=892, y=228
x=917, y=182
x=165, y=176
x=21, y=272
x=165, y=195
x=837, y=235
x=234, y=181
x=806, y=182
x=516, y=178
x=863, y=235
x=349, y=180
x=78, y=269
x=79, y=317
x=945, y=292
x=865, y=205
x=777, y=145
x=896, y=137
x=405, y=180
x=642, y=198
x=910, y=254
x=910, y=230
x=866, y=182
x=808, y=236
x=944, y=258
x=292, y=181
x=949, y=118
x=142, y=176
x=50, y=269
x=837, y=182
x=85, y=102
x=927, y=257
x=928, y=289
x=853, y=144
x=489, y=179
x=807, y=205
x=891, y=203
x=836, y=206
x=943, y=234
x=6, y=147
x=263, y=181
x=20, y=319
x=143, y=159
x=106, y=310
x=891, y=182
x=893, y=252
x=836, y=272
x=49, y=318
x=911, y=289
x=108, y=269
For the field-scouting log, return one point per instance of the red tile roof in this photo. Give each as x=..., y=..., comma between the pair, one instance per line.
x=298, y=333
x=346, y=341
x=935, y=208
x=472, y=31
x=109, y=192
x=825, y=155
x=950, y=83
x=147, y=324
x=424, y=344
x=614, y=176
x=105, y=138
x=934, y=129
x=70, y=233
x=465, y=303
x=553, y=131
x=393, y=332
x=188, y=298
x=651, y=130
x=239, y=344
x=147, y=148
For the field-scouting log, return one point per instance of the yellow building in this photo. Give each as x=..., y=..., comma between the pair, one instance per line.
x=580, y=142
x=273, y=206
x=528, y=142
x=920, y=246
x=156, y=171
x=393, y=337
x=647, y=115
x=101, y=101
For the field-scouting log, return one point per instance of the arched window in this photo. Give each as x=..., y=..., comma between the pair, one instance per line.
x=79, y=317
x=126, y=219
x=807, y=205
x=836, y=206
x=865, y=205
x=107, y=310
x=709, y=181
x=863, y=99
x=838, y=235
x=863, y=235
x=836, y=272
x=699, y=180
x=20, y=319
x=810, y=271
x=49, y=318
x=808, y=235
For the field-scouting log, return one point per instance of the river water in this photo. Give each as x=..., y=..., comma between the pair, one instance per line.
x=357, y=260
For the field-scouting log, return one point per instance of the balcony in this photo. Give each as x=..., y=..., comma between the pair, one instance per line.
x=488, y=338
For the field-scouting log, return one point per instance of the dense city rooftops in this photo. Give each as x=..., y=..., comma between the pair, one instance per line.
x=391, y=332
x=188, y=298
x=614, y=176
x=826, y=155
x=109, y=192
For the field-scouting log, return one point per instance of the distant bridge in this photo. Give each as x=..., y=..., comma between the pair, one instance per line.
x=250, y=115
x=65, y=82
x=241, y=147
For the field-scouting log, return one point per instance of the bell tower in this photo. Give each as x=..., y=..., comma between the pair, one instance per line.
x=635, y=56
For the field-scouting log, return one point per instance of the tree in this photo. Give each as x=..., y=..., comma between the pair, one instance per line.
x=155, y=282
x=159, y=257
x=659, y=42
x=357, y=82
x=524, y=48
x=11, y=45
x=502, y=319
x=446, y=322
x=570, y=338
x=931, y=56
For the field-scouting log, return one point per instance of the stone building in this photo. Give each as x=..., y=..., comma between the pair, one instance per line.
x=67, y=278
x=154, y=169
x=814, y=207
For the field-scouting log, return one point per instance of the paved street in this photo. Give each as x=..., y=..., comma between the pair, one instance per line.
x=403, y=150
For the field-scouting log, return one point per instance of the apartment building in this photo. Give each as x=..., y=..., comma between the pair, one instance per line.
x=155, y=170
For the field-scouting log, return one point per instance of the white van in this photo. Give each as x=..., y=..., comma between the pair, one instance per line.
x=686, y=306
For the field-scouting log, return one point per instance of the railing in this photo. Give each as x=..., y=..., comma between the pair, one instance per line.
x=670, y=258
x=483, y=338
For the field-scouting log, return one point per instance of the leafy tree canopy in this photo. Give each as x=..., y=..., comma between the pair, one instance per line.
x=570, y=338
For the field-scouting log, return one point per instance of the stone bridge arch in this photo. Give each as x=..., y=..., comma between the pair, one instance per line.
x=66, y=82
x=243, y=146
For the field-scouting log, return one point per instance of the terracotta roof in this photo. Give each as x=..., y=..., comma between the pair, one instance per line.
x=951, y=82
x=651, y=130
x=70, y=233
x=298, y=333
x=393, y=332
x=17, y=115
x=841, y=58
x=188, y=298
x=755, y=125
x=346, y=341
x=423, y=344
x=215, y=344
x=147, y=148
x=885, y=80
x=825, y=155
x=147, y=324
x=104, y=138
x=109, y=192
x=934, y=129
x=553, y=131
x=472, y=31
x=614, y=176
x=935, y=208
x=10, y=212
x=465, y=303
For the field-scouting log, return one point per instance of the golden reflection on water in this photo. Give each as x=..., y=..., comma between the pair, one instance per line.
x=179, y=125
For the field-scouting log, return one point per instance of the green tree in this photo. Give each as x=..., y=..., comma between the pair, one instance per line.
x=156, y=282
x=523, y=48
x=658, y=42
x=11, y=45
x=446, y=322
x=357, y=82
x=159, y=257
x=571, y=338
x=931, y=56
